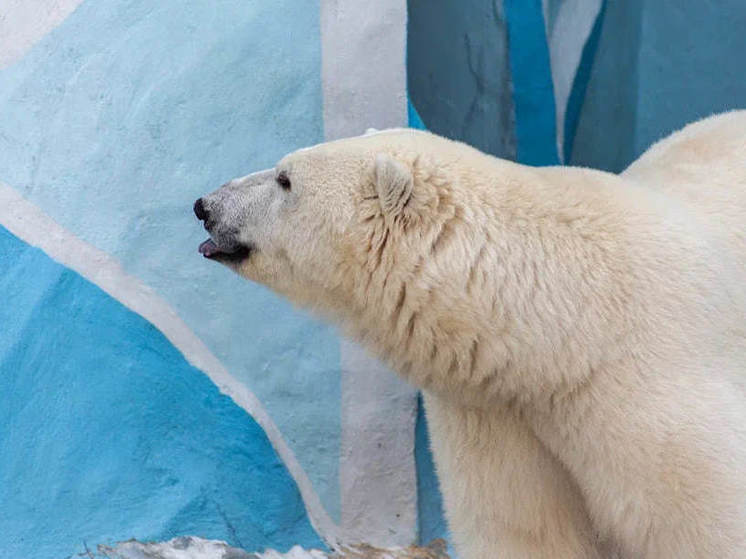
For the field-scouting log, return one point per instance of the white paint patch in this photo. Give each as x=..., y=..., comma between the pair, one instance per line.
x=29, y=223
x=24, y=22
x=363, y=47
x=363, y=70
x=567, y=35
x=378, y=477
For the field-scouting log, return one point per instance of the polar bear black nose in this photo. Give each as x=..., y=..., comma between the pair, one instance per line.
x=199, y=210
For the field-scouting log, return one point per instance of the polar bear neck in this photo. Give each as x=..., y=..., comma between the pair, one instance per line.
x=517, y=292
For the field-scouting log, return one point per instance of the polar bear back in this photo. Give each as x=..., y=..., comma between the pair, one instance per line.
x=703, y=166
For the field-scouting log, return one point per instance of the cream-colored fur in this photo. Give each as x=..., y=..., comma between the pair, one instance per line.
x=580, y=336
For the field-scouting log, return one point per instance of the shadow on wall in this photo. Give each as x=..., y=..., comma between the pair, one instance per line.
x=655, y=67
x=459, y=72
x=607, y=120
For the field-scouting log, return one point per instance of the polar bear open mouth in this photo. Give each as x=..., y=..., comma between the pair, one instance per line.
x=210, y=250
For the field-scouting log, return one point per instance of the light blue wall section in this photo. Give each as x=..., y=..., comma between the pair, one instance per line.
x=120, y=118
x=107, y=433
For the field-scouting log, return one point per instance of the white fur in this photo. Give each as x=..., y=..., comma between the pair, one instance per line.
x=580, y=336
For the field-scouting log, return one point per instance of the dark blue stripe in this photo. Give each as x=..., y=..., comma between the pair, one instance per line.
x=532, y=83
x=414, y=117
x=431, y=520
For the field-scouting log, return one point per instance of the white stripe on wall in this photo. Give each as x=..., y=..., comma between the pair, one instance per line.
x=568, y=31
x=24, y=22
x=363, y=46
x=363, y=71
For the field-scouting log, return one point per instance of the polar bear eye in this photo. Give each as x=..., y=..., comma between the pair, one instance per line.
x=283, y=180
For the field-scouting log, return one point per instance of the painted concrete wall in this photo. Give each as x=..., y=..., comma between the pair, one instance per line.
x=147, y=393
x=114, y=116
x=136, y=454
x=622, y=74
x=659, y=65
x=127, y=111
x=459, y=72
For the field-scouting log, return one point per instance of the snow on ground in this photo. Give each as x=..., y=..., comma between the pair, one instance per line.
x=196, y=548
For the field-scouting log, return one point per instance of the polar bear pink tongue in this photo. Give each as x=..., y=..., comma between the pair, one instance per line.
x=208, y=249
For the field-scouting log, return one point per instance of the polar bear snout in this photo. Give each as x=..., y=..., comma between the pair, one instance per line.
x=207, y=212
x=235, y=215
x=225, y=242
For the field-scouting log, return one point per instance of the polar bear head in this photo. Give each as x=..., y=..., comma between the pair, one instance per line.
x=326, y=218
x=434, y=255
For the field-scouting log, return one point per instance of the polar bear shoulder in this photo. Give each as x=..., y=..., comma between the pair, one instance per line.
x=703, y=165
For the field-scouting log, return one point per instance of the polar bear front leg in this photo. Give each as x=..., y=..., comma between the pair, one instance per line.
x=505, y=495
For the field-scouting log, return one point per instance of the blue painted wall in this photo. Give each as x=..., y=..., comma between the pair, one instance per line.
x=432, y=523
x=691, y=64
x=479, y=72
x=533, y=93
x=107, y=433
x=459, y=72
x=120, y=117
x=659, y=65
x=117, y=120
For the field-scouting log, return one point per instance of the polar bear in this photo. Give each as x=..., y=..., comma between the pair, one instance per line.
x=579, y=336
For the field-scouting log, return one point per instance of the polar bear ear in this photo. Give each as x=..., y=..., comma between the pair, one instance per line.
x=394, y=184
